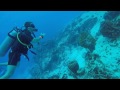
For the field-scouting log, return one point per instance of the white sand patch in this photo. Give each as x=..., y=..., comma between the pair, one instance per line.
x=76, y=53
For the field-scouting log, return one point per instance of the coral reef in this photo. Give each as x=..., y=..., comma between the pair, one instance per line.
x=101, y=52
x=111, y=15
x=108, y=29
x=73, y=39
x=91, y=56
x=97, y=70
x=73, y=66
x=110, y=26
x=87, y=41
x=88, y=24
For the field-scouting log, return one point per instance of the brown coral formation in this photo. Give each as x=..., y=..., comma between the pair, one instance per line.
x=87, y=41
x=73, y=66
x=109, y=29
x=111, y=15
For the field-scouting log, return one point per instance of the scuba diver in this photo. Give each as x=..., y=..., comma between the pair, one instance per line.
x=19, y=42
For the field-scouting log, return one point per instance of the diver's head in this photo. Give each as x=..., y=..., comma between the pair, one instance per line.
x=30, y=27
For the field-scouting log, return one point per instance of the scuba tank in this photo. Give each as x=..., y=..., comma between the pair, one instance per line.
x=8, y=41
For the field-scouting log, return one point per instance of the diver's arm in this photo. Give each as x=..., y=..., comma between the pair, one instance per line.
x=35, y=40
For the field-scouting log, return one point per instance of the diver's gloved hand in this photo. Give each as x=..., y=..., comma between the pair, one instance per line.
x=42, y=35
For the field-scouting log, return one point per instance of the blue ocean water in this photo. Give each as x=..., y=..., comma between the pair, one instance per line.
x=48, y=22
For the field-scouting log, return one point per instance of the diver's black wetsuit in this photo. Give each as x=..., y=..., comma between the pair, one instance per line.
x=17, y=48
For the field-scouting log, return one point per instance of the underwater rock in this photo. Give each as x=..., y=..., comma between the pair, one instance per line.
x=64, y=76
x=91, y=56
x=73, y=66
x=55, y=59
x=88, y=24
x=111, y=15
x=73, y=40
x=86, y=40
x=74, y=23
x=88, y=56
x=96, y=56
x=107, y=29
x=81, y=71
